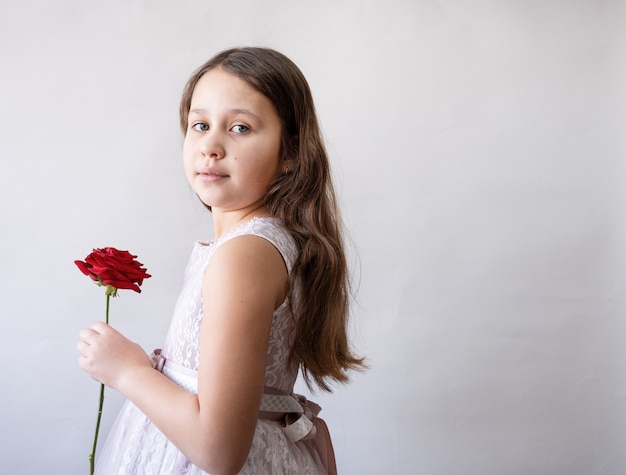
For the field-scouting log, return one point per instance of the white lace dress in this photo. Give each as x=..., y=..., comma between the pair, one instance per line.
x=135, y=446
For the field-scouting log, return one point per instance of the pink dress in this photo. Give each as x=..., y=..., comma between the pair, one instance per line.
x=135, y=446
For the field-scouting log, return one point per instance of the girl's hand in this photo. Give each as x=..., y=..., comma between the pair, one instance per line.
x=107, y=355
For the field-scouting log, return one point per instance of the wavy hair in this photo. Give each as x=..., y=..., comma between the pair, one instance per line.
x=304, y=199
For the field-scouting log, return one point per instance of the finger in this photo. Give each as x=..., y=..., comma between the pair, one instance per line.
x=87, y=335
x=83, y=363
x=85, y=366
x=101, y=327
x=82, y=348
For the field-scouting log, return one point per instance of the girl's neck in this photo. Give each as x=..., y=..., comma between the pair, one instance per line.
x=225, y=221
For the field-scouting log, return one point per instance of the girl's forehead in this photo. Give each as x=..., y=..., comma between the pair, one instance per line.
x=219, y=91
x=220, y=85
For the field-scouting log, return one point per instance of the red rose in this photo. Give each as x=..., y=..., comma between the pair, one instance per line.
x=114, y=268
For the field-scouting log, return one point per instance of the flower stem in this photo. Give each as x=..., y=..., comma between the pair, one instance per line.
x=92, y=455
x=106, y=316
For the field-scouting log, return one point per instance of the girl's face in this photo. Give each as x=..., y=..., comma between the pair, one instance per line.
x=232, y=143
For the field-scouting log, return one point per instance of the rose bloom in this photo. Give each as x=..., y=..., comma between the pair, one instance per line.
x=110, y=266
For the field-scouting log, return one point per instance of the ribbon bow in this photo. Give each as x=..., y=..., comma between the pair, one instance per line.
x=298, y=411
x=301, y=422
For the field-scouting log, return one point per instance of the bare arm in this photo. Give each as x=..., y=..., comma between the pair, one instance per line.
x=245, y=281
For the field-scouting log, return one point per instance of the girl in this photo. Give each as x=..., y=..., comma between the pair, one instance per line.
x=267, y=297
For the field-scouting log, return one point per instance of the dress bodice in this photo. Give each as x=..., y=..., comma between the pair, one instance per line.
x=183, y=338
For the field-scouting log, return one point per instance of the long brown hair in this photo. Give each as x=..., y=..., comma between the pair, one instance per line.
x=304, y=199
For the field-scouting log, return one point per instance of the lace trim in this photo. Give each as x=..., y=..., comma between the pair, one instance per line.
x=234, y=231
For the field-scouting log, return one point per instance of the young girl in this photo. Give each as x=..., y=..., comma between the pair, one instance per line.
x=267, y=297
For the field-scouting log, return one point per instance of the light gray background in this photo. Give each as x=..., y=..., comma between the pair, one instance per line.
x=479, y=153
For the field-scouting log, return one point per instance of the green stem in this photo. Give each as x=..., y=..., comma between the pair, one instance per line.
x=92, y=455
x=106, y=316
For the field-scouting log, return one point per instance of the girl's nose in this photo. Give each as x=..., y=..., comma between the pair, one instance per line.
x=212, y=146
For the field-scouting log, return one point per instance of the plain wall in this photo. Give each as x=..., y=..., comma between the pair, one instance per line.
x=479, y=153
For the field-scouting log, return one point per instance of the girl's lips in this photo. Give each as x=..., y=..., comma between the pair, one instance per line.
x=211, y=174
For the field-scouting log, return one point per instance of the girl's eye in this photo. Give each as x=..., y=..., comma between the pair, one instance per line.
x=240, y=129
x=200, y=127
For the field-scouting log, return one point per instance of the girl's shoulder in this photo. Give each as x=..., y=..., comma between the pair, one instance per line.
x=270, y=229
